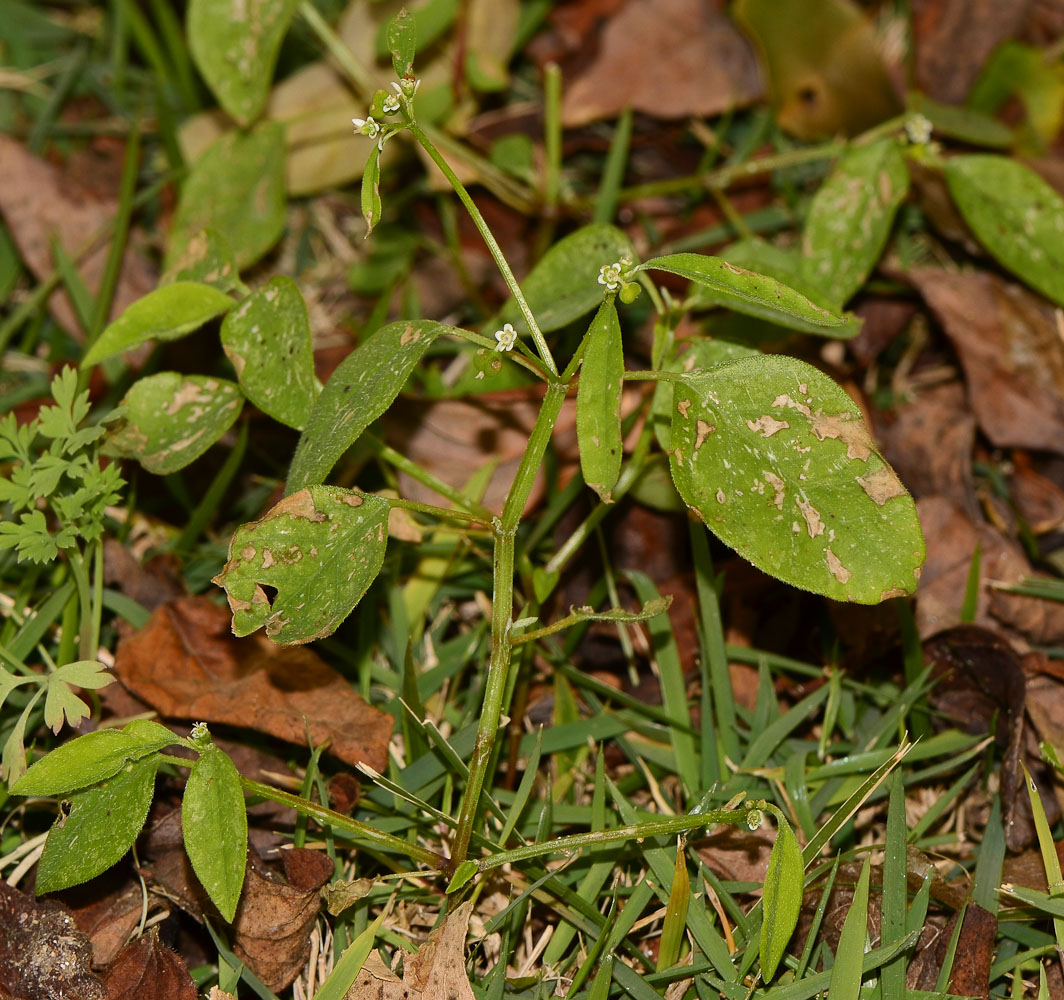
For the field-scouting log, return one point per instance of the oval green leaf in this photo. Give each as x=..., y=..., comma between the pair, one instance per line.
x=777, y=461
x=782, y=900
x=564, y=285
x=237, y=188
x=371, y=189
x=90, y=758
x=317, y=551
x=598, y=402
x=1016, y=215
x=214, y=823
x=172, y=419
x=101, y=825
x=754, y=294
x=207, y=258
x=267, y=338
x=402, y=42
x=235, y=46
x=850, y=218
x=165, y=314
x=363, y=386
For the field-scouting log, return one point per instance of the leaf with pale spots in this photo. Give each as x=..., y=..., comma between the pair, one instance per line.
x=165, y=314
x=267, y=338
x=850, y=218
x=753, y=294
x=235, y=44
x=363, y=386
x=171, y=419
x=301, y=569
x=777, y=461
x=598, y=402
x=207, y=258
x=1016, y=215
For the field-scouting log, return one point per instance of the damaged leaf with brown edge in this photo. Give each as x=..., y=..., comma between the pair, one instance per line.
x=318, y=550
x=777, y=461
x=267, y=338
x=172, y=419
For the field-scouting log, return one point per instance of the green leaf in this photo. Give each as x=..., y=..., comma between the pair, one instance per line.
x=61, y=703
x=318, y=550
x=165, y=314
x=750, y=293
x=564, y=284
x=402, y=42
x=235, y=48
x=206, y=258
x=237, y=188
x=1050, y=859
x=215, y=827
x=267, y=338
x=171, y=419
x=462, y=874
x=1016, y=215
x=598, y=403
x=371, y=193
x=93, y=757
x=100, y=827
x=363, y=386
x=850, y=954
x=784, y=883
x=777, y=461
x=851, y=217
x=674, y=927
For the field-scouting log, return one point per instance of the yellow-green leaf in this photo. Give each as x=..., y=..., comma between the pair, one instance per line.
x=598, y=402
x=782, y=900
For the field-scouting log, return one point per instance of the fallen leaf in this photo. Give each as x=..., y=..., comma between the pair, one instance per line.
x=108, y=917
x=953, y=38
x=273, y=923
x=42, y=952
x=186, y=664
x=145, y=970
x=970, y=976
x=737, y=854
x=952, y=537
x=1011, y=351
x=39, y=203
x=436, y=972
x=710, y=68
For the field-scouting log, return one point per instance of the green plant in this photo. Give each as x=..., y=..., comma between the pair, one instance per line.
x=57, y=494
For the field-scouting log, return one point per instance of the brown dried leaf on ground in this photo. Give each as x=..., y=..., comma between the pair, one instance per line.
x=930, y=444
x=271, y=931
x=151, y=583
x=39, y=203
x=436, y=972
x=736, y=854
x=187, y=664
x=42, y=952
x=952, y=538
x=974, y=956
x=1011, y=351
x=954, y=38
x=666, y=58
x=146, y=970
x=108, y=915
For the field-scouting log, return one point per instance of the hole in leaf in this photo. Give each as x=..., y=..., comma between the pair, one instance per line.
x=270, y=592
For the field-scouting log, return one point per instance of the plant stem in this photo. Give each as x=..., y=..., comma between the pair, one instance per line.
x=492, y=245
x=502, y=617
x=652, y=828
x=86, y=646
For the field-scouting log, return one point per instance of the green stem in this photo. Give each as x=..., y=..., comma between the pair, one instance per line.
x=492, y=245
x=86, y=647
x=652, y=828
x=552, y=135
x=481, y=341
x=502, y=617
x=443, y=513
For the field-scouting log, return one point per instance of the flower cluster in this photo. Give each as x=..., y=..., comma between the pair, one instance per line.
x=918, y=130
x=610, y=275
x=367, y=127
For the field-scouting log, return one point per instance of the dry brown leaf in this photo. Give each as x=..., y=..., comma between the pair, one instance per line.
x=273, y=923
x=40, y=203
x=951, y=541
x=187, y=664
x=736, y=854
x=953, y=39
x=666, y=58
x=42, y=952
x=146, y=970
x=1011, y=351
x=436, y=972
x=109, y=918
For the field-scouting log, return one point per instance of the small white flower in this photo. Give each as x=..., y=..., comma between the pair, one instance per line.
x=200, y=731
x=610, y=276
x=366, y=126
x=918, y=130
x=390, y=105
x=506, y=338
x=406, y=88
